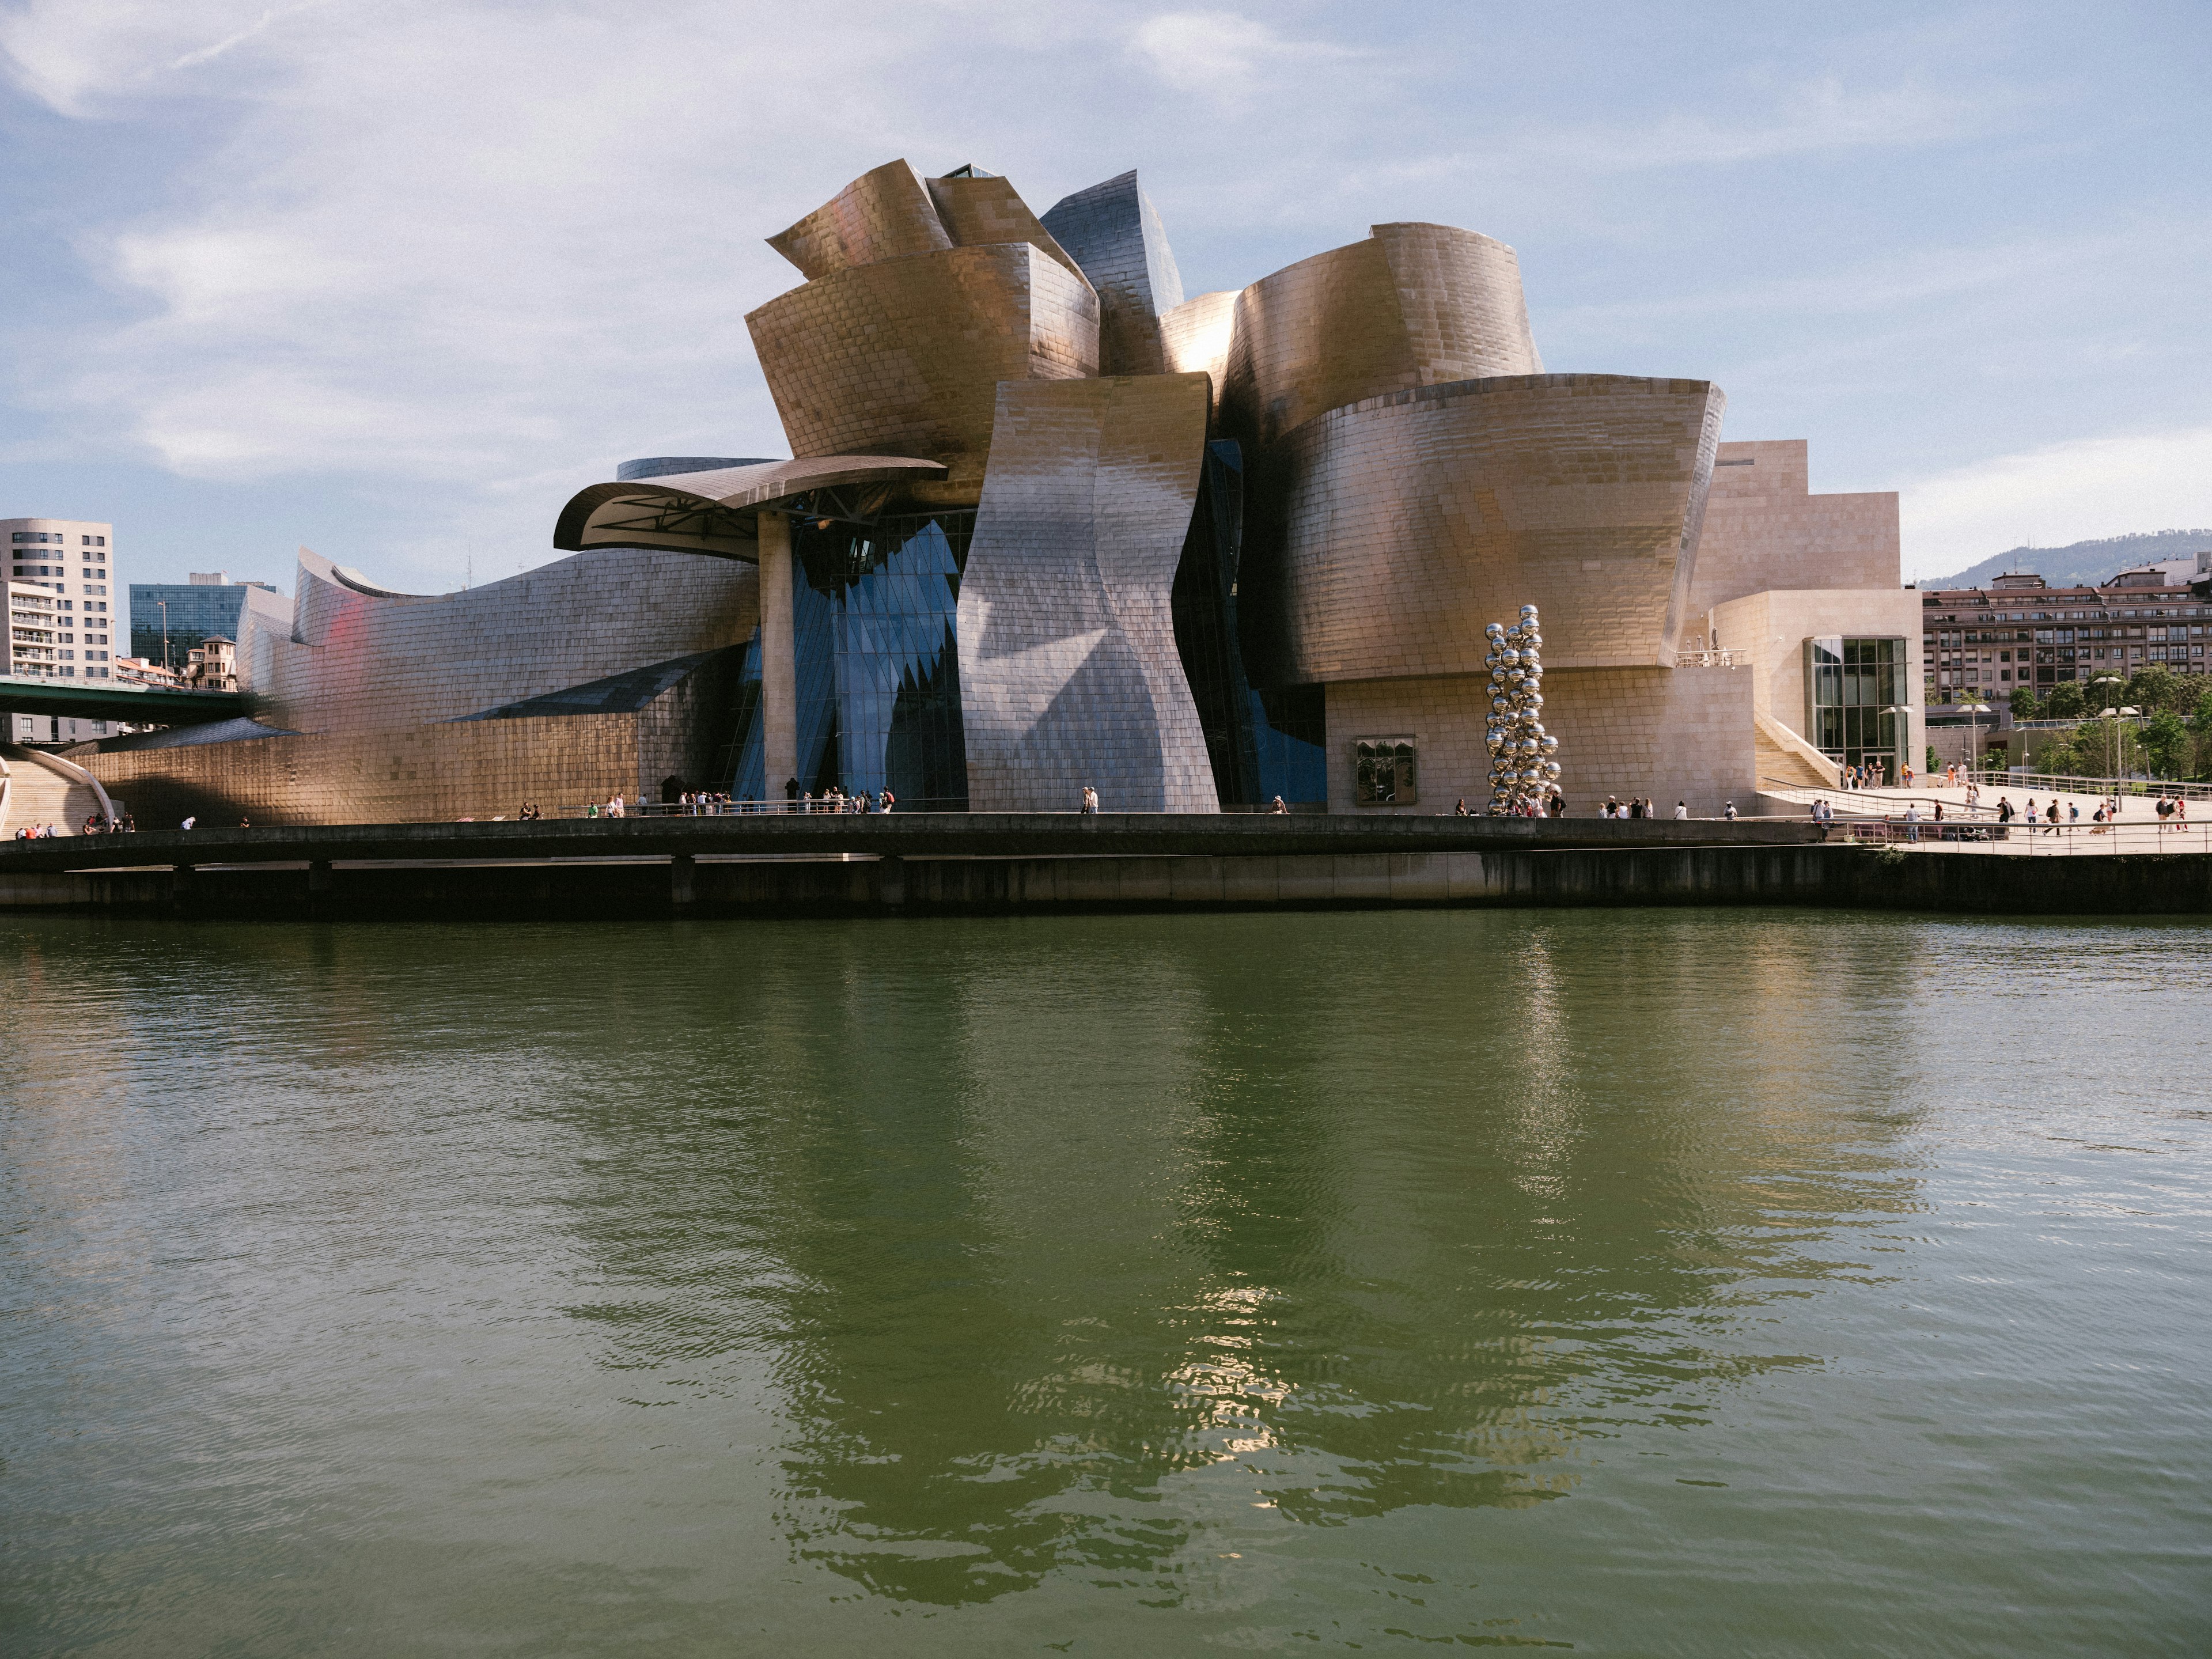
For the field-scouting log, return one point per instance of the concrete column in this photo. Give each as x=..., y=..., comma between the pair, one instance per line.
x=779, y=657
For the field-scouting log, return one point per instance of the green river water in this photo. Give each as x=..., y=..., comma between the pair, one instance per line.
x=1640, y=1282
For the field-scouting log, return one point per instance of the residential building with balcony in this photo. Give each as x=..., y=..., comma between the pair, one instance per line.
x=1982, y=644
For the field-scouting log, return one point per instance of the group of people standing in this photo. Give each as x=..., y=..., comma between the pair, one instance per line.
x=94, y=824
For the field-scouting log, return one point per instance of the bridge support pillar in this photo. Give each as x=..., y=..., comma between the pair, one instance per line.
x=779, y=701
x=683, y=871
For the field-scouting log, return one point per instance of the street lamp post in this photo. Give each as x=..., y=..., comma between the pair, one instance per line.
x=1974, y=713
x=2111, y=765
x=164, y=604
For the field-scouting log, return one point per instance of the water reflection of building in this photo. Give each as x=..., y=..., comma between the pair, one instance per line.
x=1271, y=1221
x=1049, y=522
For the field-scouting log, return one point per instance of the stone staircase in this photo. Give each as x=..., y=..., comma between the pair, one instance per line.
x=37, y=794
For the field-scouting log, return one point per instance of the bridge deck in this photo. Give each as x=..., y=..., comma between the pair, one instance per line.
x=105, y=700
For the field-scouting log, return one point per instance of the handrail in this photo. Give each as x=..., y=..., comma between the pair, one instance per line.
x=75, y=774
x=2037, y=837
x=2068, y=785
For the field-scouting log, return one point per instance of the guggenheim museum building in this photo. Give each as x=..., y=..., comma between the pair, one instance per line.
x=1048, y=522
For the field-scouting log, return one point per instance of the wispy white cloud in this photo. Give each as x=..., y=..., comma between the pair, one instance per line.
x=2061, y=493
x=1224, y=56
x=467, y=252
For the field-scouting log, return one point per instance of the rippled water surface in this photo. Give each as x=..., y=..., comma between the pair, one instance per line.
x=1641, y=1283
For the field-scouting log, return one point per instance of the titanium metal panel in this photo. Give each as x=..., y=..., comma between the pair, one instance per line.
x=1069, y=673
x=881, y=214
x=977, y=211
x=357, y=660
x=1413, y=305
x=904, y=357
x=1116, y=236
x=1196, y=335
x=1415, y=518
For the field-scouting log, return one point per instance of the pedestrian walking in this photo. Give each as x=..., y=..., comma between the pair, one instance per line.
x=1729, y=811
x=1912, y=820
x=1681, y=810
x=1279, y=808
x=1090, y=801
x=189, y=823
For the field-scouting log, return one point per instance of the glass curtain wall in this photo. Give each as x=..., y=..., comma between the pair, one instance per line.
x=873, y=611
x=1854, y=689
x=1262, y=743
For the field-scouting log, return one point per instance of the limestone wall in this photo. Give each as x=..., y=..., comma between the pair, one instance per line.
x=1671, y=734
x=1765, y=530
x=1774, y=627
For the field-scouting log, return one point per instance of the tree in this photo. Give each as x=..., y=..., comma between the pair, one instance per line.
x=2200, y=726
x=2065, y=702
x=2080, y=754
x=2166, y=741
x=2023, y=703
x=2152, y=687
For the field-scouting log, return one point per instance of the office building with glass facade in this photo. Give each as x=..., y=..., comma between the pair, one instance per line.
x=168, y=619
x=1051, y=523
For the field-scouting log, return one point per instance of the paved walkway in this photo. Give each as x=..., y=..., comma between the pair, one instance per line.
x=2137, y=828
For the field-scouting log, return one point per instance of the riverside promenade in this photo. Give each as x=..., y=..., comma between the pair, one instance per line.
x=902, y=863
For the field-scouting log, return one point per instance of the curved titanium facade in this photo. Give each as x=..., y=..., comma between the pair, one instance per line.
x=1414, y=518
x=881, y=214
x=1069, y=670
x=1196, y=335
x=978, y=210
x=1413, y=305
x=904, y=357
x=355, y=661
x=1116, y=234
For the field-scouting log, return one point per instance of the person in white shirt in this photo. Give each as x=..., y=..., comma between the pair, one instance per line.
x=1681, y=810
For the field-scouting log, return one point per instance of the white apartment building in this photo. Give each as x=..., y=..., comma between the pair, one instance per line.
x=71, y=560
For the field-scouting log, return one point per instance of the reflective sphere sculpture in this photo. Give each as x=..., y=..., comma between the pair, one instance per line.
x=1522, y=776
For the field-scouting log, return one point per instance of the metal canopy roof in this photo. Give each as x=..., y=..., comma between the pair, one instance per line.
x=716, y=513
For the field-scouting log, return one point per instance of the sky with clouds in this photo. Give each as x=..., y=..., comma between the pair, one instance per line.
x=393, y=277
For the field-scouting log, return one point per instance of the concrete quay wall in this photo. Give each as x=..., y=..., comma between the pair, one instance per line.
x=1836, y=876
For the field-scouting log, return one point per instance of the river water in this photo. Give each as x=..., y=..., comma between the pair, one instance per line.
x=1644, y=1282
